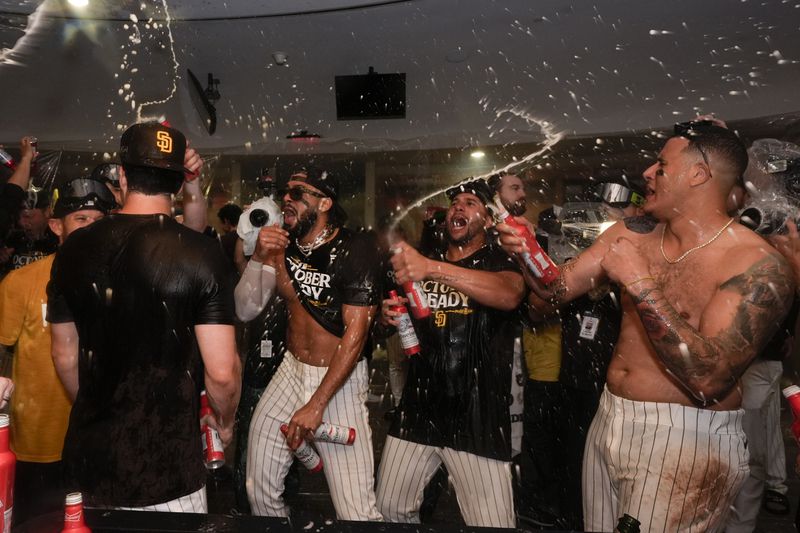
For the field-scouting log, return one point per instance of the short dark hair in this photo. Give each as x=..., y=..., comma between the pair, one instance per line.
x=336, y=214
x=495, y=181
x=726, y=145
x=229, y=213
x=152, y=181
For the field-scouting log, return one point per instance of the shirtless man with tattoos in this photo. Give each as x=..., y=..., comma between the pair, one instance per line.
x=701, y=297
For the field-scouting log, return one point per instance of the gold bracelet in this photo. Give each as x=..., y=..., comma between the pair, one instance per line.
x=634, y=282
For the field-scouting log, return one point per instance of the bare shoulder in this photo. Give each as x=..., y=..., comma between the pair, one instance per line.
x=750, y=265
x=636, y=229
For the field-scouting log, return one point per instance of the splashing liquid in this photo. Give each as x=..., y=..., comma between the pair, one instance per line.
x=551, y=138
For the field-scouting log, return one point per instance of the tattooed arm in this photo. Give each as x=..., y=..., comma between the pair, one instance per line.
x=577, y=276
x=735, y=325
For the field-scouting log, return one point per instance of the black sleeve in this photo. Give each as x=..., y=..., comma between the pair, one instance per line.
x=11, y=198
x=215, y=288
x=58, y=310
x=499, y=261
x=359, y=277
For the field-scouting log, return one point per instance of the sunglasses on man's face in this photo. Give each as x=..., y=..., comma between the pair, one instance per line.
x=296, y=193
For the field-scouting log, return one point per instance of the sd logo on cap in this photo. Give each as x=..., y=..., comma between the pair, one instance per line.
x=151, y=144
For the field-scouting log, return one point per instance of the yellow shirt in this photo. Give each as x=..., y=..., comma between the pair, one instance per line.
x=39, y=406
x=543, y=351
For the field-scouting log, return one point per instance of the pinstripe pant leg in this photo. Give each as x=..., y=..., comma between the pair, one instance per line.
x=350, y=470
x=191, y=503
x=405, y=470
x=483, y=488
x=599, y=490
x=268, y=455
x=776, y=451
x=676, y=468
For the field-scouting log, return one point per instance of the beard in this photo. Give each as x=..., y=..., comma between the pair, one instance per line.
x=303, y=225
x=518, y=208
x=471, y=233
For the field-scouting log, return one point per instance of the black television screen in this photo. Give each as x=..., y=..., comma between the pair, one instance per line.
x=370, y=96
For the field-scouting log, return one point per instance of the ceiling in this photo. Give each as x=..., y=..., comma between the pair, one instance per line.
x=479, y=72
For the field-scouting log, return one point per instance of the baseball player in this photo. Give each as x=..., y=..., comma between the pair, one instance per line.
x=701, y=297
x=455, y=405
x=328, y=277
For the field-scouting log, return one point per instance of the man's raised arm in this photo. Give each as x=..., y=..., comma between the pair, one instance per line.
x=577, y=276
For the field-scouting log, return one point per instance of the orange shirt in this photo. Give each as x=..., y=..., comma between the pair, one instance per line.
x=39, y=406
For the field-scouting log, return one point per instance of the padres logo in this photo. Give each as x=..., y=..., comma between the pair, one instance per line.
x=440, y=319
x=164, y=142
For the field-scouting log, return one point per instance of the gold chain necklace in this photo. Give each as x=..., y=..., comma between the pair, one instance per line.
x=690, y=250
x=306, y=249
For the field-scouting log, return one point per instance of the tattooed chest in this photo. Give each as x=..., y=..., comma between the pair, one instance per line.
x=686, y=288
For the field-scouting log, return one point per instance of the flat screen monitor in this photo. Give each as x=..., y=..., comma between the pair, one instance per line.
x=371, y=96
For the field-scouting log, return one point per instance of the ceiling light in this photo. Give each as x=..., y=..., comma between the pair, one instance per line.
x=477, y=154
x=78, y=3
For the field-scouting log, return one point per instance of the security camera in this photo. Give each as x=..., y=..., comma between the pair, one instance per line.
x=280, y=58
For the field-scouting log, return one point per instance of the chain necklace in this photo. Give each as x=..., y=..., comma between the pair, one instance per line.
x=690, y=250
x=306, y=249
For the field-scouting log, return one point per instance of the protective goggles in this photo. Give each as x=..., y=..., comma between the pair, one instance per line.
x=690, y=130
x=617, y=195
x=82, y=193
x=107, y=172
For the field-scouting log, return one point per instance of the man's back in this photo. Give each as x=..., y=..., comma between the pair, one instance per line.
x=135, y=286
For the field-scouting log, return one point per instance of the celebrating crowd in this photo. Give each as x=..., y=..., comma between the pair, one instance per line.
x=634, y=383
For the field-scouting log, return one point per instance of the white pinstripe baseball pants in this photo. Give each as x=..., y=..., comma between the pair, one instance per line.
x=349, y=470
x=191, y=503
x=671, y=467
x=483, y=486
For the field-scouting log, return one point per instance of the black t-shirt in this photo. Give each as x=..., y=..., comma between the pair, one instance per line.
x=584, y=362
x=135, y=285
x=27, y=251
x=458, y=390
x=343, y=271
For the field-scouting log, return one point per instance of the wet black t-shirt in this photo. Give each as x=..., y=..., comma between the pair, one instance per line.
x=135, y=286
x=458, y=390
x=343, y=271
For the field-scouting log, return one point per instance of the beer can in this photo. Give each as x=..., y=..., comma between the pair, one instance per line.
x=336, y=434
x=213, y=450
x=305, y=453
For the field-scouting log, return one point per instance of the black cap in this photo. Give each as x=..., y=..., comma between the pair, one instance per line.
x=151, y=144
x=82, y=193
x=321, y=180
x=478, y=187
